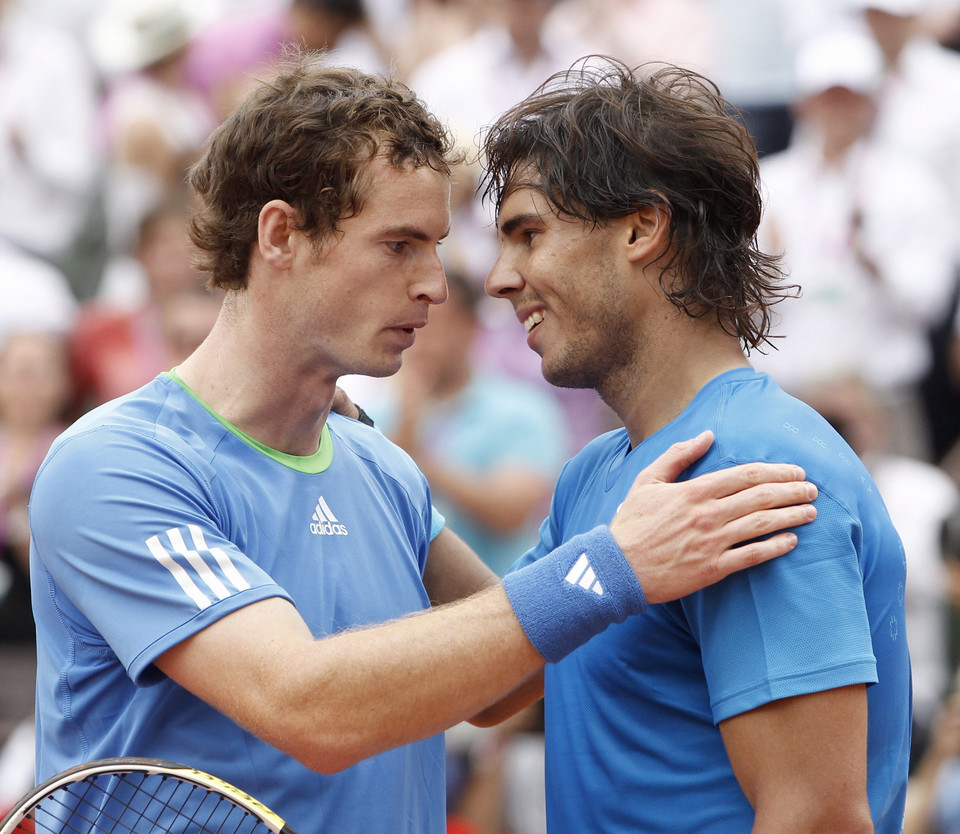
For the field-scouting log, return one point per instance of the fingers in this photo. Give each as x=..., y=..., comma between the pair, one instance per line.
x=669, y=466
x=755, y=553
x=766, y=496
x=680, y=456
x=762, y=510
x=342, y=404
x=763, y=523
x=747, y=476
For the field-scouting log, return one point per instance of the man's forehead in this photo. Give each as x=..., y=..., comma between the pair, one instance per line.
x=527, y=200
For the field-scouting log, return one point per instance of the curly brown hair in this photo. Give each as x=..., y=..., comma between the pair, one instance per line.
x=305, y=136
x=602, y=140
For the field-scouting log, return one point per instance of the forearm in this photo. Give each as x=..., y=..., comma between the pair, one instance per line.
x=529, y=692
x=421, y=675
x=330, y=703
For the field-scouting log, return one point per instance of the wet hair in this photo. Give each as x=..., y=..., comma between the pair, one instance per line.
x=306, y=136
x=602, y=140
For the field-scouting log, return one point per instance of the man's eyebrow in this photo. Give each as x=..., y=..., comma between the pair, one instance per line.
x=414, y=232
x=510, y=226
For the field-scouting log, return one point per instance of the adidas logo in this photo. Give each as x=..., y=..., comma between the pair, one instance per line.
x=324, y=522
x=582, y=574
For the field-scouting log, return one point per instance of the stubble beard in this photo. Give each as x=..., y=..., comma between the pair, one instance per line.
x=601, y=362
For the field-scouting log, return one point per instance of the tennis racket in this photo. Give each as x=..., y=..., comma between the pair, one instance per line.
x=139, y=796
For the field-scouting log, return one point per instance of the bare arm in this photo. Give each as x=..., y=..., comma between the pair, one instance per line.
x=334, y=701
x=802, y=762
x=330, y=703
x=453, y=572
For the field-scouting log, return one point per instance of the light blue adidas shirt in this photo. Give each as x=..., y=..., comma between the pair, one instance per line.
x=151, y=519
x=631, y=717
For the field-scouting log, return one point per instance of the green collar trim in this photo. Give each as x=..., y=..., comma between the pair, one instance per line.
x=313, y=464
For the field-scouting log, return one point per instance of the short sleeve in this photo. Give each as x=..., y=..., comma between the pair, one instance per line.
x=792, y=626
x=133, y=542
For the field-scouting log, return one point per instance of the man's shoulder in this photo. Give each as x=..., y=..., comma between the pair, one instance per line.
x=370, y=447
x=159, y=416
x=761, y=422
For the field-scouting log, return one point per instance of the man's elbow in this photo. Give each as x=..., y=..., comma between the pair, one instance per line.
x=820, y=815
x=328, y=755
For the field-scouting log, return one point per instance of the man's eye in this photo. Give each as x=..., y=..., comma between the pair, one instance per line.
x=397, y=245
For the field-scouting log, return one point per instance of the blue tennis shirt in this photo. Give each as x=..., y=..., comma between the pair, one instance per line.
x=151, y=519
x=631, y=717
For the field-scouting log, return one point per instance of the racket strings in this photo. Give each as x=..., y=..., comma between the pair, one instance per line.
x=138, y=803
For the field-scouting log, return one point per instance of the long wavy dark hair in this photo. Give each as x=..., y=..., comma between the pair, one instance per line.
x=602, y=140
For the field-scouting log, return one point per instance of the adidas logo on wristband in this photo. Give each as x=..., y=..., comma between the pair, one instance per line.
x=582, y=574
x=556, y=619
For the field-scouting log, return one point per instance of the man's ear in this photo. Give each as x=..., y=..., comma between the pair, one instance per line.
x=275, y=230
x=647, y=233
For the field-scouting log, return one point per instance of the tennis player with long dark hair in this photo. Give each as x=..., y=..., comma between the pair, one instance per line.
x=777, y=700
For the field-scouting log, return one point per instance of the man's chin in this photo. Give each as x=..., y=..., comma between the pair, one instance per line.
x=380, y=369
x=564, y=377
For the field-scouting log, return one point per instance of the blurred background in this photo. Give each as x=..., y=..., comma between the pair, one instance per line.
x=854, y=106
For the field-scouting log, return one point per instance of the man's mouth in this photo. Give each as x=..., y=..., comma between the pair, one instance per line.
x=533, y=320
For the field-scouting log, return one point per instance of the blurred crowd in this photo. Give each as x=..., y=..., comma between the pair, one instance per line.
x=853, y=105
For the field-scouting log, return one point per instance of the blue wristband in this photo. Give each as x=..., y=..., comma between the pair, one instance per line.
x=574, y=593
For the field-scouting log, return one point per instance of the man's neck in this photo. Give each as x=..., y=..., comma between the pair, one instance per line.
x=670, y=377
x=237, y=374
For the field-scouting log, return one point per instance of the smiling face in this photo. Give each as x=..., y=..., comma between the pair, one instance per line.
x=571, y=289
x=365, y=290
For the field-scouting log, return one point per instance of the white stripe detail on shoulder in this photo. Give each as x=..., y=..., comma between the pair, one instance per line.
x=210, y=579
x=178, y=573
x=233, y=576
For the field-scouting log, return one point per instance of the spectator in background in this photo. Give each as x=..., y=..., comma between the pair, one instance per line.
x=35, y=389
x=48, y=159
x=636, y=31
x=923, y=502
x=230, y=53
x=866, y=232
x=920, y=77
x=429, y=27
x=752, y=63
x=501, y=791
x=915, y=113
x=36, y=295
x=115, y=349
x=933, y=798
x=34, y=393
x=153, y=122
